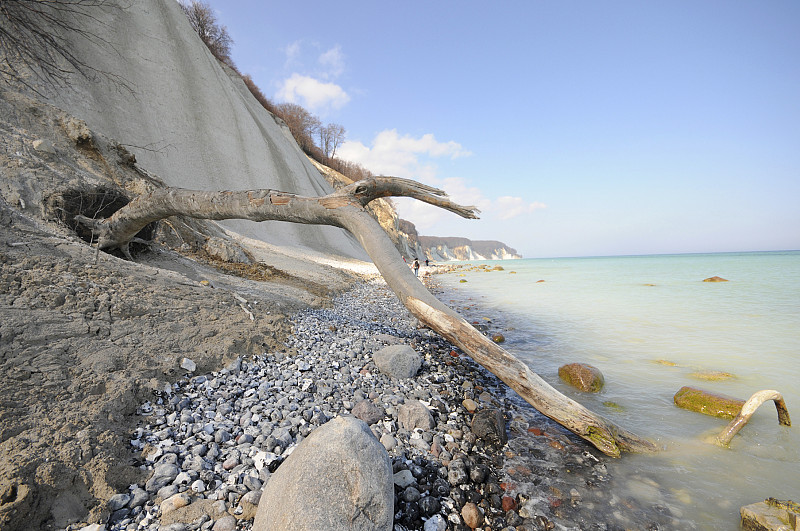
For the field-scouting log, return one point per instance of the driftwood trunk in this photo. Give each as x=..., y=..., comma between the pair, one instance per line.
x=345, y=209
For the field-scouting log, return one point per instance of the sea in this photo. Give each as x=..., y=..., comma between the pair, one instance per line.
x=651, y=325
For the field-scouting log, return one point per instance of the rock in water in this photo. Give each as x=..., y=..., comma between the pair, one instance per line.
x=583, y=376
x=398, y=361
x=770, y=515
x=340, y=477
x=708, y=403
x=715, y=279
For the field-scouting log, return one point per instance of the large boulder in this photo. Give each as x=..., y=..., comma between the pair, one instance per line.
x=340, y=477
x=582, y=376
x=398, y=361
x=708, y=403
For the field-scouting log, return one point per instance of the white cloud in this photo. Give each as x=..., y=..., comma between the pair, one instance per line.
x=292, y=52
x=392, y=154
x=410, y=157
x=508, y=207
x=333, y=62
x=311, y=93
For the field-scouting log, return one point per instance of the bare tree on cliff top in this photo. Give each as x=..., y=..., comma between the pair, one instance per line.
x=345, y=208
x=204, y=23
x=33, y=51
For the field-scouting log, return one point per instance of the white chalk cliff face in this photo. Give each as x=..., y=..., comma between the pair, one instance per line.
x=190, y=120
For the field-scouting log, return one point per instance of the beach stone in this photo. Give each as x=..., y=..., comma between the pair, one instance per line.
x=226, y=523
x=472, y=515
x=398, y=361
x=225, y=250
x=470, y=405
x=499, y=338
x=414, y=414
x=436, y=523
x=368, y=412
x=403, y=478
x=340, y=477
x=582, y=376
x=188, y=365
x=489, y=425
x=182, y=499
x=118, y=501
x=139, y=497
x=700, y=401
x=770, y=515
x=457, y=472
x=163, y=475
x=388, y=441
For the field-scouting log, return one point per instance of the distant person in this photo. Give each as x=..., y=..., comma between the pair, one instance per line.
x=416, y=267
x=426, y=262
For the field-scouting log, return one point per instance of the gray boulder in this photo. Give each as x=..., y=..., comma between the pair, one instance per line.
x=340, y=477
x=163, y=475
x=398, y=361
x=414, y=414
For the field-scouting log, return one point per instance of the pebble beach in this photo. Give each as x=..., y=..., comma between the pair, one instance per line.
x=212, y=441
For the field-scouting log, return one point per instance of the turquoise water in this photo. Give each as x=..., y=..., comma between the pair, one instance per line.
x=651, y=326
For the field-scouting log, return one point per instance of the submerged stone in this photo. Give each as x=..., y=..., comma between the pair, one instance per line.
x=712, y=376
x=770, y=515
x=708, y=403
x=715, y=279
x=582, y=376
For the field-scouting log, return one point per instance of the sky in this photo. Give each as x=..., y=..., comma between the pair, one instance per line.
x=578, y=128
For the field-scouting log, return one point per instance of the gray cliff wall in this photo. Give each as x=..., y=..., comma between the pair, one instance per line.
x=190, y=120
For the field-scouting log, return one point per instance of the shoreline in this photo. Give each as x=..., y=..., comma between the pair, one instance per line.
x=543, y=478
x=227, y=431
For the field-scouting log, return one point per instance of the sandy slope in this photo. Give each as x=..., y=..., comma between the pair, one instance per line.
x=85, y=336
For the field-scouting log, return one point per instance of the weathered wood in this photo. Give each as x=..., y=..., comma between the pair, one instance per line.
x=345, y=208
x=750, y=407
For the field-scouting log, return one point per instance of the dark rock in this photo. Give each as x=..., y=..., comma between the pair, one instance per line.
x=582, y=376
x=457, y=472
x=490, y=426
x=340, y=477
x=478, y=473
x=411, y=494
x=429, y=505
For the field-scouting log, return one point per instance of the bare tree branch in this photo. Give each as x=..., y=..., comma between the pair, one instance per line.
x=345, y=208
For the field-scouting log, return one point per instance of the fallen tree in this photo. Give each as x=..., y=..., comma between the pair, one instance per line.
x=345, y=208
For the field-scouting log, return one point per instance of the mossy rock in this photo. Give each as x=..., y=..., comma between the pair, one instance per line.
x=582, y=376
x=712, y=376
x=707, y=403
x=666, y=362
x=498, y=338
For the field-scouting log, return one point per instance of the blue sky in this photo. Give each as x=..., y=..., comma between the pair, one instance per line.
x=578, y=128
